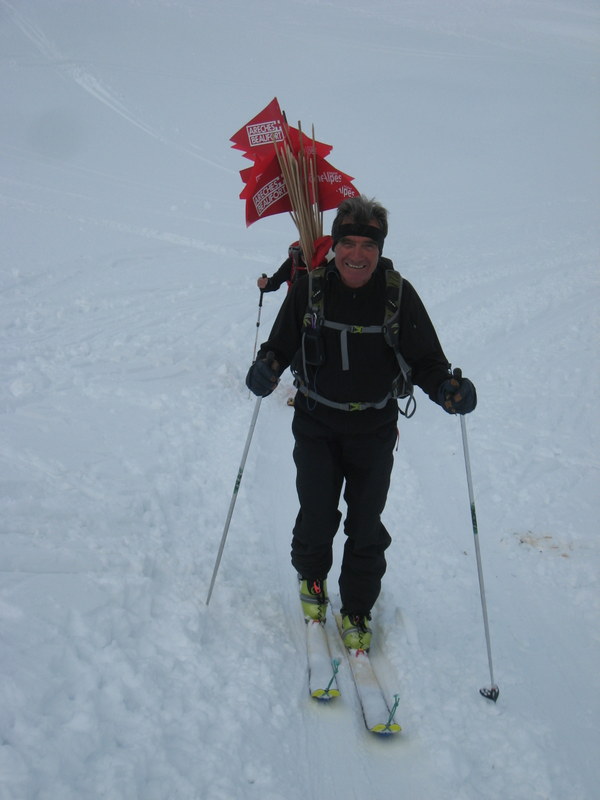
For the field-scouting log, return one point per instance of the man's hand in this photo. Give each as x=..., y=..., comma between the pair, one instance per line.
x=457, y=395
x=263, y=376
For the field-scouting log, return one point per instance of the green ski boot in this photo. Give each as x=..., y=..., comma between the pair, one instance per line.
x=313, y=596
x=356, y=633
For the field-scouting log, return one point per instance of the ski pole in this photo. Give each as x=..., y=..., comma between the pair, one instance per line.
x=262, y=291
x=393, y=710
x=238, y=480
x=491, y=692
x=335, y=665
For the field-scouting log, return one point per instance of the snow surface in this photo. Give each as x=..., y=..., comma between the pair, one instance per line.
x=128, y=315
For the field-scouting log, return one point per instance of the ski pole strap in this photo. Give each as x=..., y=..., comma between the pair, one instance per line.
x=394, y=708
x=335, y=663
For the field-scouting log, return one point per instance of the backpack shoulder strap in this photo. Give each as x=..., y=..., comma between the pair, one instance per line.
x=315, y=289
x=391, y=331
x=393, y=296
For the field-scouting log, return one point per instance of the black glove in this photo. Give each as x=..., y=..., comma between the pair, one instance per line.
x=457, y=395
x=263, y=376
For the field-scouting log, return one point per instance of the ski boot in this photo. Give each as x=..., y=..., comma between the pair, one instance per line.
x=313, y=596
x=356, y=633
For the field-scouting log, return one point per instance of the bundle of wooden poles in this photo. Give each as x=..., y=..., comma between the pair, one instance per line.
x=299, y=170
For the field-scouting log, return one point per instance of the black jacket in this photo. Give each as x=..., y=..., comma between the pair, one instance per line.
x=372, y=363
x=284, y=273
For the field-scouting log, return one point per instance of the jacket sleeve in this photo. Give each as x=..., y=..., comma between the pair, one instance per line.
x=419, y=344
x=285, y=336
x=284, y=273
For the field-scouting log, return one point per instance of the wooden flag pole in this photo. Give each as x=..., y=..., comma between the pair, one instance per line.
x=300, y=175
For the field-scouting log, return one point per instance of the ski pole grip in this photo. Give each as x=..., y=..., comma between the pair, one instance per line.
x=272, y=361
x=457, y=373
x=262, y=291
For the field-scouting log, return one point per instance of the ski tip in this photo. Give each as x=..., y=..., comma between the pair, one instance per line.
x=490, y=693
x=386, y=729
x=325, y=694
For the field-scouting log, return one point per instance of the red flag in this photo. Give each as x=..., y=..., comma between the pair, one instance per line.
x=320, y=148
x=321, y=248
x=265, y=140
x=333, y=186
x=267, y=194
x=270, y=126
x=262, y=130
x=246, y=176
x=251, y=175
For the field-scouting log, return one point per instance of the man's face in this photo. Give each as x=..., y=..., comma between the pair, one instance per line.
x=356, y=258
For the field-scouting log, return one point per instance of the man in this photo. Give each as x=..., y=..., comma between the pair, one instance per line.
x=346, y=411
x=287, y=272
x=294, y=266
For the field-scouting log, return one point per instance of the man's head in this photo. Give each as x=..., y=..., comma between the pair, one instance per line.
x=358, y=232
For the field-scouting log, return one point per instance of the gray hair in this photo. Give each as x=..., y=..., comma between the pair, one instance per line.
x=360, y=210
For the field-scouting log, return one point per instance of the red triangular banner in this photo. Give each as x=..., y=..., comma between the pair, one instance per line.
x=296, y=136
x=262, y=130
x=270, y=126
x=333, y=185
x=266, y=194
x=251, y=175
x=264, y=137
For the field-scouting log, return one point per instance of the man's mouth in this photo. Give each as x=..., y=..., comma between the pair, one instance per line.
x=354, y=266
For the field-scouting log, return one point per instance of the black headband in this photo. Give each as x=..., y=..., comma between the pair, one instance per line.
x=357, y=229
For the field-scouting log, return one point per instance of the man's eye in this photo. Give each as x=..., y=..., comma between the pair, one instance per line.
x=363, y=245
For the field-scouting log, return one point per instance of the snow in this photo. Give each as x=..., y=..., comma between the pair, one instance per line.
x=128, y=312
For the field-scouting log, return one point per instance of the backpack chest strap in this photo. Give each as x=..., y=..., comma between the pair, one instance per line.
x=344, y=331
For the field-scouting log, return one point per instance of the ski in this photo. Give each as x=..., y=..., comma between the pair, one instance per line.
x=322, y=669
x=378, y=716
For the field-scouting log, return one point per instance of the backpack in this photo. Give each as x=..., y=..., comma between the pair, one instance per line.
x=321, y=248
x=297, y=266
x=313, y=353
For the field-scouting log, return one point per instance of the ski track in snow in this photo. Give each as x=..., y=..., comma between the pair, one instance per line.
x=94, y=86
x=116, y=225
x=126, y=330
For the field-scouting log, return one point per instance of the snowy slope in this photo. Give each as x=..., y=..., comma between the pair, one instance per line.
x=128, y=312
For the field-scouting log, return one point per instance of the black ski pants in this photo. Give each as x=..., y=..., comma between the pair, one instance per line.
x=325, y=458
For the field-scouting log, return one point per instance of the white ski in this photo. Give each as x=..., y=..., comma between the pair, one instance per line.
x=377, y=714
x=322, y=669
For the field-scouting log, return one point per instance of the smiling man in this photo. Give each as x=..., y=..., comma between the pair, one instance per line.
x=356, y=256
x=356, y=337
